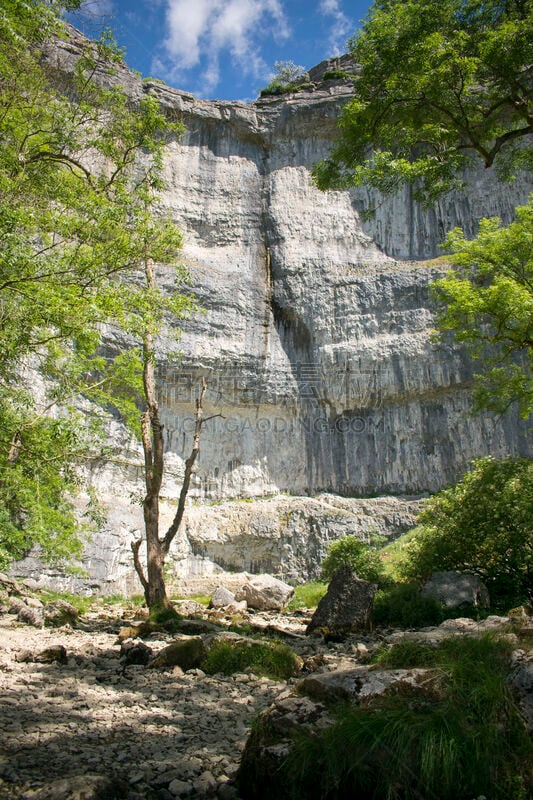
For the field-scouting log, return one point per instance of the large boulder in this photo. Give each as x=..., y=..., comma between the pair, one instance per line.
x=456, y=589
x=223, y=598
x=59, y=612
x=522, y=683
x=263, y=768
x=346, y=607
x=265, y=593
x=187, y=653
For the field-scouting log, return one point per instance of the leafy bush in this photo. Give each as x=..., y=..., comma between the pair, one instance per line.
x=481, y=525
x=287, y=78
x=164, y=617
x=470, y=741
x=336, y=74
x=402, y=606
x=364, y=561
x=271, y=659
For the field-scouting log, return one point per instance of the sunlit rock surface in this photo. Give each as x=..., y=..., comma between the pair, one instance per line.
x=314, y=335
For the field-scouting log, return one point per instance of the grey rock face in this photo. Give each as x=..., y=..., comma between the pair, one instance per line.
x=456, y=589
x=315, y=339
x=346, y=607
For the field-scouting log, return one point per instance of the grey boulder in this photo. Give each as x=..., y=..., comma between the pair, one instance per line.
x=265, y=593
x=456, y=589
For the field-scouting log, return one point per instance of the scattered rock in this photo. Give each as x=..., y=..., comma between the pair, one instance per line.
x=31, y=616
x=54, y=653
x=187, y=653
x=129, y=632
x=77, y=787
x=179, y=788
x=264, y=592
x=59, y=612
x=222, y=597
x=33, y=602
x=361, y=683
x=189, y=607
x=16, y=604
x=135, y=653
x=456, y=589
x=346, y=607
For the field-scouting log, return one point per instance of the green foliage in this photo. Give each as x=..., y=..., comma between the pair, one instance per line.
x=271, y=659
x=488, y=304
x=467, y=742
x=392, y=554
x=336, y=74
x=69, y=235
x=440, y=86
x=405, y=655
x=349, y=550
x=81, y=603
x=307, y=595
x=402, y=606
x=286, y=79
x=165, y=616
x=481, y=525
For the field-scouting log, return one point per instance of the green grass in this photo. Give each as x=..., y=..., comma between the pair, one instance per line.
x=405, y=655
x=163, y=617
x=270, y=659
x=307, y=595
x=80, y=603
x=468, y=742
x=392, y=554
x=201, y=599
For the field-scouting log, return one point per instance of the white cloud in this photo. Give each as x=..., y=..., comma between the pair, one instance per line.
x=200, y=33
x=342, y=26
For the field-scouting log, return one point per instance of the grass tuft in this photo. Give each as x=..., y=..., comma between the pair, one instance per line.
x=273, y=660
x=307, y=595
x=468, y=743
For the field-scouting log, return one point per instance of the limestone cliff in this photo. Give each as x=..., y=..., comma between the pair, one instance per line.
x=315, y=339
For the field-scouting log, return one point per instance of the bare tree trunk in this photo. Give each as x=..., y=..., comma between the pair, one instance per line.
x=153, y=446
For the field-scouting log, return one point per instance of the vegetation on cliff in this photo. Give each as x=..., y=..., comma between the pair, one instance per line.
x=439, y=88
x=80, y=172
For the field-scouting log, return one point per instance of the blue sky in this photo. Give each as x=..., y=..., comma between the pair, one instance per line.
x=223, y=49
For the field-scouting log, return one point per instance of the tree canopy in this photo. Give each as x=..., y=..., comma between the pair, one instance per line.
x=441, y=86
x=488, y=303
x=481, y=525
x=79, y=176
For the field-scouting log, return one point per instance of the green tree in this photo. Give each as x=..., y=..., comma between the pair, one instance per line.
x=79, y=175
x=481, y=525
x=441, y=86
x=488, y=303
x=285, y=78
x=349, y=550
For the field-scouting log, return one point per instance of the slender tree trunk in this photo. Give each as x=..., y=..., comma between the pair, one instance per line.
x=153, y=446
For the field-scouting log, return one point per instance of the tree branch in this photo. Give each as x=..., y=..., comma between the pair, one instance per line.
x=189, y=464
x=135, y=546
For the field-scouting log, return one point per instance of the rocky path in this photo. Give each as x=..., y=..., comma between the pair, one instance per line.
x=89, y=728
x=156, y=734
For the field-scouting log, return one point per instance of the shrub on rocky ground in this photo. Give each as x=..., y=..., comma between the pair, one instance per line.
x=469, y=742
x=402, y=606
x=481, y=525
x=270, y=659
x=363, y=560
